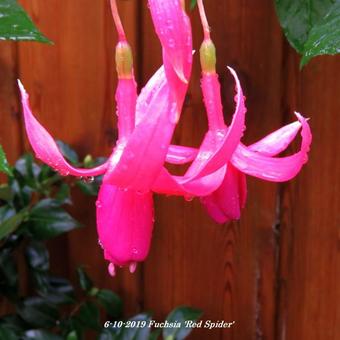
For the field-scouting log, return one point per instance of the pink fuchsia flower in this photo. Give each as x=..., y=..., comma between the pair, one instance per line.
x=146, y=124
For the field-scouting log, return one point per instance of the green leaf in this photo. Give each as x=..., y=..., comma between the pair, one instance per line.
x=155, y=335
x=4, y=166
x=37, y=256
x=68, y=152
x=48, y=219
x=84, y=280
x=111, y=302
x=180, y=315
x=92, y=188
x=136, y=333
x=324, y=37
x=6, y=193
x=6, y=333
x=72, y=336
x=88, y=316
x=10, y=225
x=64, y=194
x=305, y=23
x=39, y=334
x=38, y=312
x=8, y=273
x=15, y=24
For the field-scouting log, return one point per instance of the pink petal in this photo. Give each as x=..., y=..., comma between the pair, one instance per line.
x=46, y=148
x=126, y=98
x=226, y=202
x=174, y=185
x=137, y=164
x=180, y=155
x=271, y=168
x=278, y=141
x=219, y=145
x=174, y=31
x=124, y=224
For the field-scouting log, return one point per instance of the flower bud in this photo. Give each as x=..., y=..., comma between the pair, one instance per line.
x=208, y=56
x=124, y=60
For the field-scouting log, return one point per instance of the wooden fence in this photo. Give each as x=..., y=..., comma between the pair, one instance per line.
x=276, y=271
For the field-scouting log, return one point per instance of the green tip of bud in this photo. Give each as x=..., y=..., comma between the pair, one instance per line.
x=124, y=60
x=208, y=56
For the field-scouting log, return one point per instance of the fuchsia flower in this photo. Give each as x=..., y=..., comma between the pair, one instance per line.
x=146, y=125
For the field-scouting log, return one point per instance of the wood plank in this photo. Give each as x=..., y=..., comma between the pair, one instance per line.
x=310, y=252
x=72, y=86
x=227, y=271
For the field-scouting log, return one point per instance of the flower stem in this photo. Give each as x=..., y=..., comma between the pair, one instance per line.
x=117, y=20
x=204, y=20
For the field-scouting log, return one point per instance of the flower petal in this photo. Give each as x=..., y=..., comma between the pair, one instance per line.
x=137, y=164
x=272, y=168
x=180, y=155
x=219, y=145
x=278, y=141
x=174, y=31
x=124, y=224
x=226, y=202
x=46, y=148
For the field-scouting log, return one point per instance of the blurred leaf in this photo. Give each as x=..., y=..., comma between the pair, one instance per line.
x=8, y=269
x=193, y=4
x=6, y=212
x=59, y=291
x=37, y=256
x=13, y=323
x=88, y=316
x=48, y=220
x=4, y=166
x=63, y=196
x=181, y=314
x=155, y=334
x=68, y=152
x=39, y=334
x=6, y=193
x=111, y=302
x=311, y=27
x=15, y=24
x=92, y=188
x=7, y=334
x=72, y=336
x=107, y=334
x=11, y=224
x=38, y=312
x=84, y=280
x=136, y=333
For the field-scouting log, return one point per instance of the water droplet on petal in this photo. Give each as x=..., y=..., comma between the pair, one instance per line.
x=100, y=244
x=135, y=251
x=111, y=269
x=98, y=204
x=188, y=198
x=89, y=179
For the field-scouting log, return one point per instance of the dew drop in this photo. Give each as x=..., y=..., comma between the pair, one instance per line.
x=89, y=179
x=98, y=204
x=100, y=244
x=134, y=251
x=188, y=198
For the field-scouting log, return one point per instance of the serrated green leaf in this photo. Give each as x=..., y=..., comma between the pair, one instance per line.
x=48, y=219
x=180, y=315
x=68, y=152
x=15, y=24
x=10, y=225
x=38, y=312
x=303, y=22
x=324, y=37
x=4, y=166
x=111, y=302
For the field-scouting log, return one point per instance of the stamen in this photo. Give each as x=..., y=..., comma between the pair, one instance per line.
x=204, y=20
x=132, y=267
x=112, y=269
x=117, y=20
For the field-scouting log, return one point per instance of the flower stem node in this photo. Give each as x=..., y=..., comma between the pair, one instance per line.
x=208, y=56
x=124, y=60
